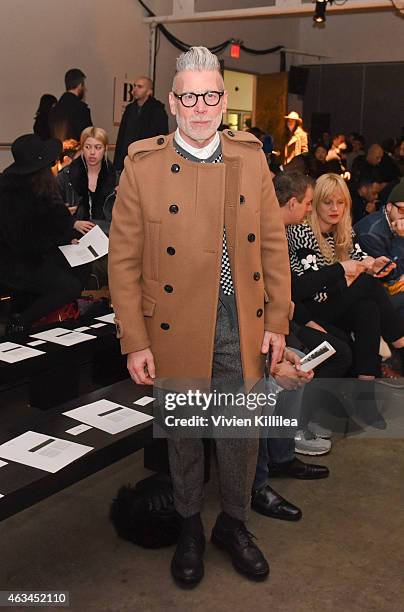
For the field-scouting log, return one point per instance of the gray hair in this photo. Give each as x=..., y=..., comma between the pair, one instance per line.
x=197, y=58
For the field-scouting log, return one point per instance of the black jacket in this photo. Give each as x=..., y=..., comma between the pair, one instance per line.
x=69, y=117
x=73, y=186
x=30, y=226
x=147, y=121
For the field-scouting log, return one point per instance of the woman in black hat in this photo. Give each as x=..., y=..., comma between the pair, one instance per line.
x=33, y=223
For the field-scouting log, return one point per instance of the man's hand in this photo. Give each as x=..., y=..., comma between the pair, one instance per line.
x=72, y=209
x=287, y=373
x=277, y=344
x=83, y=226
x=378, y=264
x=141, y=367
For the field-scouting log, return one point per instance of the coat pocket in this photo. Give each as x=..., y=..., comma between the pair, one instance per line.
x=151, y=255
x=148, y=306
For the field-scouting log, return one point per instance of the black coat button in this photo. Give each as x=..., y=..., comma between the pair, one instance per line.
x=230, y=133
x=160, y=141
x=171, y=250
x=257, y=276
x=165, y=326
x=260, y=312
x=175, y=168
x=242, y=199
x=251, y=237
x=168, y=288
x=173, y=209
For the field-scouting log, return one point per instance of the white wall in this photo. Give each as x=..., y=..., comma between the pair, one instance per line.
x=41, y=39
x=356, y=37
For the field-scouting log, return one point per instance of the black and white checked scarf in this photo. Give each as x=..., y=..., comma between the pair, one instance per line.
x=226, y=281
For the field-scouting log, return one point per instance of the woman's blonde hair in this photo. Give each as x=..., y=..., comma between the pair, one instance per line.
x=94, y=132
x=342, y=231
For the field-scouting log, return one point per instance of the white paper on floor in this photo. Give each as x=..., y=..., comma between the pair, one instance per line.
x=10, y=352
x=108, y=318
x=97, y=325
x=1, y=495
x=143, y=401
x=42, y=451
x=36, y=342
x=65, y=337
x=108, y=416
x=81, y=329
x=78, y=429
x=3, y=463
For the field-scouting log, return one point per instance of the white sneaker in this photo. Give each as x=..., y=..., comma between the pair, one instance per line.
x=307, y=444
x=319, y=431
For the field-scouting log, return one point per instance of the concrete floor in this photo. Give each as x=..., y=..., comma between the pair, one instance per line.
x=346, y=554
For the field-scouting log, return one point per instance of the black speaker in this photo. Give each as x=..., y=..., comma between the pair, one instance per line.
x=298, y=80
x=320, y=122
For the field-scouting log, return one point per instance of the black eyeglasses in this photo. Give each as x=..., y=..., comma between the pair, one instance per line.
x=399, y=208
x=189, y=99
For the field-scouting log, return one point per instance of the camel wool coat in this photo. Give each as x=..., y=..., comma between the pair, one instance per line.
x=166, y=248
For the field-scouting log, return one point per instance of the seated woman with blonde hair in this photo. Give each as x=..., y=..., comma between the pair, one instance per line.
x=88, y=184
x=359, y=304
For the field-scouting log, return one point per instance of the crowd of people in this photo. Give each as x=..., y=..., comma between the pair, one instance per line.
x=317, y=251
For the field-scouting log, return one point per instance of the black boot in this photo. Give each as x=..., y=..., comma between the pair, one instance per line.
x=365, y=412
x=232, y=535
x=187, y=564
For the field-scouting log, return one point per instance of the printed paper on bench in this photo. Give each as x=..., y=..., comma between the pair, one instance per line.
x=92, y=246
x=42, y=451
x=65, y=337
x=108, y=416
x=10, y=352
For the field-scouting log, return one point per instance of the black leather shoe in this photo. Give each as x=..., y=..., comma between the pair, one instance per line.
x=268, y=502
x=298, y=469
x=187, y=563
x=245, y=555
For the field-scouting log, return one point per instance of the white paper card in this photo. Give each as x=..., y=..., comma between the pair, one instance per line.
x=10, y=352
x=92, y=246
x=42, y=451
x=36, y=342
x=108, y=416
x=65, y=337
x=81, y=329
x=78, y=429
x=97, y=325
x=143, y=401
x=108, y=318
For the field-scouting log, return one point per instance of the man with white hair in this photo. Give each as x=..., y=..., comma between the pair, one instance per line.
x=200, y=282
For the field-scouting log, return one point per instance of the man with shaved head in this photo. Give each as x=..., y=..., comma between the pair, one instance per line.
x=376, y=165
x=145, y=117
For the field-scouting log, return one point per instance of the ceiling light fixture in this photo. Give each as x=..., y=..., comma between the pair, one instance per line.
x=319, y=12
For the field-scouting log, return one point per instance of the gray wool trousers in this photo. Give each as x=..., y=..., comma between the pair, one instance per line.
x=236, y=457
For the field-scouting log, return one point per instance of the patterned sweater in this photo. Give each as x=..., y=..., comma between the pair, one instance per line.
x=307, y=259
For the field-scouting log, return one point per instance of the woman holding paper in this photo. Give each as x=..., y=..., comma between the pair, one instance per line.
x=88, y=183
x=33, y=223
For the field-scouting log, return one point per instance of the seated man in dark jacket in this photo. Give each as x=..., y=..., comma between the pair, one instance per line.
x=383, y=234
x=143, y=118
